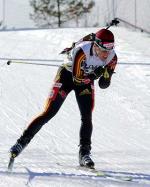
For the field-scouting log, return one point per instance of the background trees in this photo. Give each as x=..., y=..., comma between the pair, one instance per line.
x=52, y=13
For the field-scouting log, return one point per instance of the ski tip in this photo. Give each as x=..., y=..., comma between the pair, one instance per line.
x=10, y=164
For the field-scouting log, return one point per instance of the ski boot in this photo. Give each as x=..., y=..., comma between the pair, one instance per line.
x=84, y=157
x=15, y=150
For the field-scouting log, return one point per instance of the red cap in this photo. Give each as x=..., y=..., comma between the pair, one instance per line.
x=105, y=39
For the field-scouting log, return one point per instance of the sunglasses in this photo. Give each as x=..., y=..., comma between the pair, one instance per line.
x=104, y=46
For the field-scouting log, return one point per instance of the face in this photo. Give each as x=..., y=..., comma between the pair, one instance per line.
x=102, y=54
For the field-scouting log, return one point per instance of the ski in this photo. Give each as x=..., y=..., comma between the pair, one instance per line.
x=92, y=172
x=115, y=177
x=78, y=172
x=99, y=174
x=11, y=163
x=105, y=174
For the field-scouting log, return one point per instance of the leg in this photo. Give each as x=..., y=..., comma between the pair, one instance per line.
x=52, y=107
x=57, y=96
x=85, y=99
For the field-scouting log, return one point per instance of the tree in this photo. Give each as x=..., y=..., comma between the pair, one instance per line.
x=78, y=8
x=49, y=13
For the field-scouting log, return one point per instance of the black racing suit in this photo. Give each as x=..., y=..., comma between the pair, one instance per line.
x=63, y=85
x=65, y=82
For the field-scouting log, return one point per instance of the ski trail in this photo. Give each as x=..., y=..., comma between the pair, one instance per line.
x=114, y=178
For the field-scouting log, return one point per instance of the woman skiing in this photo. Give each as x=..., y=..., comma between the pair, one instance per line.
x=91, y=58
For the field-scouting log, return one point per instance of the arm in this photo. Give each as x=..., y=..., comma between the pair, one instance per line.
x=77, y=71
x=105, y=79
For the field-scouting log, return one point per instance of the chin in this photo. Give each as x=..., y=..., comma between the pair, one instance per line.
x=103, y=58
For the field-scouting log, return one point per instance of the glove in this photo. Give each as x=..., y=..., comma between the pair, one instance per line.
x=96, y=73
x=103, y=83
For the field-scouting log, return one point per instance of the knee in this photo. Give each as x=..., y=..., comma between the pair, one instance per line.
x=45, y=116
x=87, y=120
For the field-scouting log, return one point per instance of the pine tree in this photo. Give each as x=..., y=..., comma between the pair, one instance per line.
x=49, y=13
x=78, y=8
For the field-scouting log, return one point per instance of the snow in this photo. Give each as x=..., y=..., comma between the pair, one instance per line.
x=121, y=135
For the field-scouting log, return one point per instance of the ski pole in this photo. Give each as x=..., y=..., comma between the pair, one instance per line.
x=115, y=21
x=30, y=63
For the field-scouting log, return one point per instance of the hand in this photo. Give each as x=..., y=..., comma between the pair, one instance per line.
x=97, y=73
x=103, y=83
